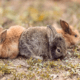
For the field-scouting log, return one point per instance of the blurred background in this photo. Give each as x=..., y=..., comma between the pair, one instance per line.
x=39, y=12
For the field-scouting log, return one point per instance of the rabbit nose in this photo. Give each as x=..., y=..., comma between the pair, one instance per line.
x=65, y=54
x=72, y=43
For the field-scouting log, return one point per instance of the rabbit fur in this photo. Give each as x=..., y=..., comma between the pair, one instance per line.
x=9, y=40
x=42, y=42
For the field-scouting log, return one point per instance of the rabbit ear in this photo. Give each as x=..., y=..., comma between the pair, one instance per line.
x=51, y=32
x=3, y=36
x=1, y=28
x=65, y=27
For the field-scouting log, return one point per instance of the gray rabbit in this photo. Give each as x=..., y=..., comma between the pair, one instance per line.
x=42, y=43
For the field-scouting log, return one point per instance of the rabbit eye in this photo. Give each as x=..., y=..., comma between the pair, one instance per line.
x=58, y=50
x=75, y=35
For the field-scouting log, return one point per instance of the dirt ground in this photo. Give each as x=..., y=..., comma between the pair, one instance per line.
x=40, y=13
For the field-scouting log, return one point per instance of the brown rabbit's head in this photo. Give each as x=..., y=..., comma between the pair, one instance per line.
x=71, y=36
x=56, y=43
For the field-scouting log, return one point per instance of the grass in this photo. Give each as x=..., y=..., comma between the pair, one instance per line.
x=38, y=69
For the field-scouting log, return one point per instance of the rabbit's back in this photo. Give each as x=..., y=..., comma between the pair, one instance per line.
x=14, y=32
x=34, y=41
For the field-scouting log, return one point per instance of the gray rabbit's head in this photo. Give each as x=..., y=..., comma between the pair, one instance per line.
x=57, y=45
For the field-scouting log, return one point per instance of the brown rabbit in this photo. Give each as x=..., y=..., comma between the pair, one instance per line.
x=70, y=35
x=44, y=42
x=9, y=40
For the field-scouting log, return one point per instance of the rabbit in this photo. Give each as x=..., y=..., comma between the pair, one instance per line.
x=70, y=35
x=42, y=43
x=9, y=40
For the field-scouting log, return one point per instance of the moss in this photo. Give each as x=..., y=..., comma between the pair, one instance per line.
x=4, y=68
x=33, y=62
